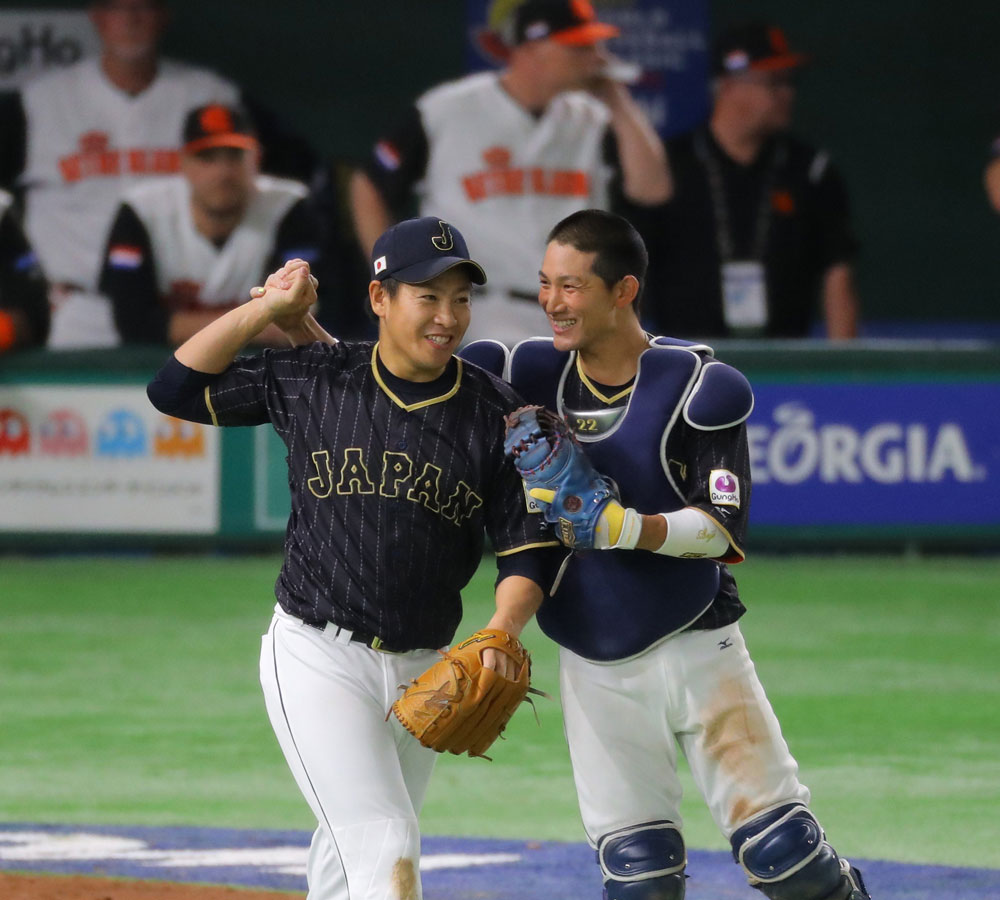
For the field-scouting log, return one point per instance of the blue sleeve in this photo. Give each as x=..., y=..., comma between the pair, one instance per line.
x=539, y=564
x=180, y=391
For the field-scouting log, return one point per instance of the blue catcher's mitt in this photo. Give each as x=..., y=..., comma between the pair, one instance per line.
x=575, y=497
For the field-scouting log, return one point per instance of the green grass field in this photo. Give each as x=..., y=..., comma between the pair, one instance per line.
x=130, y=696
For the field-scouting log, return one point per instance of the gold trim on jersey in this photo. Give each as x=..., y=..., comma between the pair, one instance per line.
x=528, y=547
x=724, y=530
x=211, y=409
x=396, y=470
x=589, y=385
x=354, y=478
x=409, y=407
x=321, y=484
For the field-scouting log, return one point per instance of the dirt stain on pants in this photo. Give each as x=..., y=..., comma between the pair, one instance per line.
x=404, y=879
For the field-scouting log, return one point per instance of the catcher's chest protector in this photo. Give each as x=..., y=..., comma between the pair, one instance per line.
x=614, y=604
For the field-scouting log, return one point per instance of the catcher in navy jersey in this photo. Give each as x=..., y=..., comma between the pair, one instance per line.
x=651, y=653
x=396, y=467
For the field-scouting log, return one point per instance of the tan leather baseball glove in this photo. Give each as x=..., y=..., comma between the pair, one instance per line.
x=460, y=706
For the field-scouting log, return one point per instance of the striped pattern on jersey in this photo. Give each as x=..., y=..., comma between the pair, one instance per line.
x=389, y=500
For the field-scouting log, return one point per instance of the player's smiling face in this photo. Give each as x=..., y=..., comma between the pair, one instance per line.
x=580, y=307
x=421, y=327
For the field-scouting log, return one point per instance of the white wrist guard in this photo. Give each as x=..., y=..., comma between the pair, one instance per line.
x=622, y=522
x=631, y=530
x=692, y=535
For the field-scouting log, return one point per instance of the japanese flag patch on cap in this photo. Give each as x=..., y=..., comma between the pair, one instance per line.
x=724, y=488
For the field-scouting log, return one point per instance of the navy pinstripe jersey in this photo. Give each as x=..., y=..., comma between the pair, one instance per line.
x=390, y=498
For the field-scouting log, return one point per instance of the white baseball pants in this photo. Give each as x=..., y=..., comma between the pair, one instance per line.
x=363, y=777
x=698, y=689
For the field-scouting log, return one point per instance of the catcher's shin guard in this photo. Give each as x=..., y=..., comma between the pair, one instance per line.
x=853, y=882
x=643, y=862
x=786, y=857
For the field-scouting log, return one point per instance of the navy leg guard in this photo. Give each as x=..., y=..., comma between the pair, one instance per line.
x=852, y=876
x=786, y=857
x=643, y=862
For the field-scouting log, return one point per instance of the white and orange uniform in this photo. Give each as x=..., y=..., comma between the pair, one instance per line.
x=477, y=158
x=86, y=142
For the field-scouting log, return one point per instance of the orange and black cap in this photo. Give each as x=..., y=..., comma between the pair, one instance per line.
x=216, y=125
x=572, y=22
x=754, y=47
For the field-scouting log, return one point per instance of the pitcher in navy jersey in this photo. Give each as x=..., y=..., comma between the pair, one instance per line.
x=396, y=469
x=651, y=653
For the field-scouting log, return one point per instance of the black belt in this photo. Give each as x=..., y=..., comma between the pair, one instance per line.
x=362, y=637
x=373, y=641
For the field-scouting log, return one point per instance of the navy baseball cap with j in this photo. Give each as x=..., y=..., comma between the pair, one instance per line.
x=416, y=250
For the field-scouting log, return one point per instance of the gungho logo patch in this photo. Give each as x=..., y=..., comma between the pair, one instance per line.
x=724, y=488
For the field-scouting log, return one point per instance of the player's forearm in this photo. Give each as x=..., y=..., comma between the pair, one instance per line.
x=840, y=303
x=687, y=533
x=645, y=173
x=216, y=345
x=371, y=213
x=517, y=600
x=653, y=534
x=309, y=331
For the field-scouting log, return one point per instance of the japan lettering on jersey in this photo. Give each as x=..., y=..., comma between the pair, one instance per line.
x=390, y=499
x=191, y=271
x=87, y=141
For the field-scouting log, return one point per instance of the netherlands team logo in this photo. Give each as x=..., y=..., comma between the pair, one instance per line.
x=125, y=256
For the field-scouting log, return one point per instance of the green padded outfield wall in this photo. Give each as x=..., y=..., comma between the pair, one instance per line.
x=867, y=446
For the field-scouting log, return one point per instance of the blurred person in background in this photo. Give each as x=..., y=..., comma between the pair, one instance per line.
x=755, y=239
x=504, y=154
x=24, y=304
x=185, y=249
x=88, y=131
x=991, y=177
x=78, y=136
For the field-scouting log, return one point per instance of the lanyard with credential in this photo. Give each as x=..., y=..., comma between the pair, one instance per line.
x=743, y=282
x=720, y=208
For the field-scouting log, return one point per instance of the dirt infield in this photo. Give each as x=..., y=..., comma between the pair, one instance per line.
x=80, y=887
